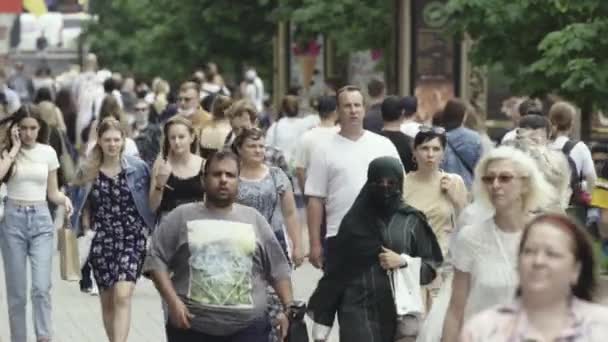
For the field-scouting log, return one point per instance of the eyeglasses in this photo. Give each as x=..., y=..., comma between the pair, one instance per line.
x=504, y=178
x=432, y=129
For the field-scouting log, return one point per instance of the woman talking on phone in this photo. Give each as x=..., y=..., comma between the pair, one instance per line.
x=176, y=176
x=28, y=167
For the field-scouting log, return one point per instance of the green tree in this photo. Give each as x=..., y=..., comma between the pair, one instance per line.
x=545, y=46
x=171, y=38
x=353, y=24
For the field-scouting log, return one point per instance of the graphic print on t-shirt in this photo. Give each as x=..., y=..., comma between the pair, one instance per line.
x=221, y=259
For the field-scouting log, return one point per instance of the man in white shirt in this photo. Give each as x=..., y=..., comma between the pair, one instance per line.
x=86, y=90
x=410, y=126
x=310, y=139
x=562, y=116
x=338, y=170
x=252, y=88
x=13, y=103
x=523, y=107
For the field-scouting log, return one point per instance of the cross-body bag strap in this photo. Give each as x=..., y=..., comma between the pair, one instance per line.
x=276, y=195
x=467, y=166
x=502, y=249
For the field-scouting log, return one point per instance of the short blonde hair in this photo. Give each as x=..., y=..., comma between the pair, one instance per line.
x=536, y=184
x=241, y=106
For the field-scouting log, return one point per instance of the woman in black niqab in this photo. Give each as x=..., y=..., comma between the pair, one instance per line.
x=355, y=284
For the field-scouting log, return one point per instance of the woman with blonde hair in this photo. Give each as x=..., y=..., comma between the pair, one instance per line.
x=242, y=115
x=112, y=201
x=213, y=135
x=557, y=284
x=159, y=97
x=508, y=188
x=532, y=138
x=176, y=174
x=111, y=109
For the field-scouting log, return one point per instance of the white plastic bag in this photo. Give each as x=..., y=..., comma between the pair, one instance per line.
x=405, y=283
x=432, y=327
x=84, y=246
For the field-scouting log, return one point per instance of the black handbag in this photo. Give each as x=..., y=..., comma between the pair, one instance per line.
x=297, y=326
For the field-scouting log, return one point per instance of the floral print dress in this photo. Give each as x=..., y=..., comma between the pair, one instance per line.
x=118, y=248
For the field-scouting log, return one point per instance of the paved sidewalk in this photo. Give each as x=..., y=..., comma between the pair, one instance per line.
x=77, y=316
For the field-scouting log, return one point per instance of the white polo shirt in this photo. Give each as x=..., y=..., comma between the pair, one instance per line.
x=309, y=140
x=509, y=136
x=338, y=171
x=411, y=128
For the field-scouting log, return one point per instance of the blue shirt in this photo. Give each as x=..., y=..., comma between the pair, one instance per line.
x=462, y=153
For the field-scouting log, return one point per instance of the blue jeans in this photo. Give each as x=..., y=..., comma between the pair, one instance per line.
x=27, y=231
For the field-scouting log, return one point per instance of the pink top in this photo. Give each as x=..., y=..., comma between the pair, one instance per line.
x=509, y=323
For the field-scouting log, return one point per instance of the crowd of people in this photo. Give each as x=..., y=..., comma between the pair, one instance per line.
x=198, y=190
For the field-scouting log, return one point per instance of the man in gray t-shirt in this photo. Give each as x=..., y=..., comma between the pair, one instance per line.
x=212, y=261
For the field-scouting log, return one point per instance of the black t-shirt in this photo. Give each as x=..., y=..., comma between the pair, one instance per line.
x=373, y=119
x=403, y=143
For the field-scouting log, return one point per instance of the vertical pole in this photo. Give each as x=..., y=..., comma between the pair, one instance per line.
x=281, y=62
x=465, y=70
x=404, y=48
x=330, y=57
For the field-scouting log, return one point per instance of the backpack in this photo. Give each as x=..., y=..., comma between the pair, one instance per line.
x=578, y=197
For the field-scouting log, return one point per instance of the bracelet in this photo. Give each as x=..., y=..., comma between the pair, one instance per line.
x=159, y=188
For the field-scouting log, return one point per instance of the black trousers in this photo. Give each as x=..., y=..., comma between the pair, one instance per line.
x=258, y=331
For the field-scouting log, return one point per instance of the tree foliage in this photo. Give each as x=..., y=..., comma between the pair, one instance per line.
x=354, y=24
x=546, y=46
x=170, y=38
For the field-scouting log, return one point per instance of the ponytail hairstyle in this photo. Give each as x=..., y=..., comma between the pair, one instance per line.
x=219, y=106
x=177, y=120
x=90, y=168
x=7, y=124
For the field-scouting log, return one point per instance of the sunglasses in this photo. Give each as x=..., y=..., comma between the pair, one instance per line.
x=502, y=179
x=141, y=109
x=432, y=129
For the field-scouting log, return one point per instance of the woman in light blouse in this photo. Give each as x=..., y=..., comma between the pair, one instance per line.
x=556, y=271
